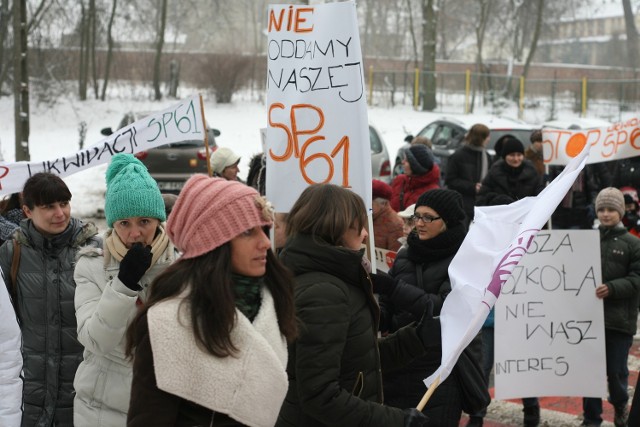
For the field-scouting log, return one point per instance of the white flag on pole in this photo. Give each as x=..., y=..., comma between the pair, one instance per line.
x=494, y=245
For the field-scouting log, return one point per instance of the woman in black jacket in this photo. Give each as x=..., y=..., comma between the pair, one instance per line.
x=334, y=365
x=468, y=166
x=422, y=279
x=510, y=178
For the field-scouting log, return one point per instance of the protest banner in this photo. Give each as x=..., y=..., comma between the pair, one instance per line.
x=618, y=141
x=318, y=127
x=178, y=123
x=549, y=325
x=493, y=247
x=384, y=259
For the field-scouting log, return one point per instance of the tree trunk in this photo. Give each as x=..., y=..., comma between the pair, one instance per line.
x=83, y=61
x=483, y=19
x=632, y=34
x=156, y=66
x=412, y=31
x=534, y=39
x=5, y=62
x=107, y=66
x=92, y=47
x=429, y=39
x=21, y=80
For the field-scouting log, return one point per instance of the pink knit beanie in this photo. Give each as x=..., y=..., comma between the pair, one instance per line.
x=210, y=212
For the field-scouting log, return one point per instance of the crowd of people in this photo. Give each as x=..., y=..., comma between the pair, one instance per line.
x=185, y=313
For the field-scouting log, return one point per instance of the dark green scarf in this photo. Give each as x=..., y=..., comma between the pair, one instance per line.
x=247, y=293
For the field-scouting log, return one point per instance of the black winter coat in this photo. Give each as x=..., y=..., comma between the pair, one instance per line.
x=335, y=364
x=45, y=292
x=416, y=285
x=581, y=211
x=463, y=172
x=504, y=183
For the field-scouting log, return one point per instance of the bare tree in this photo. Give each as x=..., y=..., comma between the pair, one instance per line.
x=534, y=38
x=107, y=65
x=21, y=80
x=92, y=46
x=632, y=34
x=162, y=23
x=412, y=32
x=429, y=43
x=482, y=22
x=84, y=53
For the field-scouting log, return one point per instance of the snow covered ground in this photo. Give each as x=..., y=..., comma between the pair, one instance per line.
x=55, y=132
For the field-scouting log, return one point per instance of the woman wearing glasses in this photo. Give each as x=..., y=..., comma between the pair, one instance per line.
x=421, y=277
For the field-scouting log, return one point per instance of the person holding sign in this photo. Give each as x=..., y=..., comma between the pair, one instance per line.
x=210, y=342
x=620, y=257
x=420, y=174
x=112, y=283
x=335, y=364
x=422, y=279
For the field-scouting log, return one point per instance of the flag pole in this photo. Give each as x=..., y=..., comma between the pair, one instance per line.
x=429, y=392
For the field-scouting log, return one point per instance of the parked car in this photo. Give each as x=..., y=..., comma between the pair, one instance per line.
x=447, y=134
x=380, y=164
x=171, y=165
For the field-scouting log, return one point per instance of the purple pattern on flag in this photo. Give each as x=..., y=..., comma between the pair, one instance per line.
x=510, y=260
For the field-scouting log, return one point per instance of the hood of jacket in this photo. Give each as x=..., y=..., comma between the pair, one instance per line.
x=304, y=253
x=76, y=234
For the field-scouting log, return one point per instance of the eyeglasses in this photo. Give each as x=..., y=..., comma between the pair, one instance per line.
x=425, y=218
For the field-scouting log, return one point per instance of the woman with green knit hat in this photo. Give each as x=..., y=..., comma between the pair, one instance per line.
x=111, y=283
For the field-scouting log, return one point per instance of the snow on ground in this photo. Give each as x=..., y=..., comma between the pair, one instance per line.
x=55, y=132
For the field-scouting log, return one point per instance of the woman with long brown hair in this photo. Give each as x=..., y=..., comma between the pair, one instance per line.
x=210, y=344
x=335, y=364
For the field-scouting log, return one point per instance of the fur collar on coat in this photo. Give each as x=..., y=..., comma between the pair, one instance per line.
x=249, y=387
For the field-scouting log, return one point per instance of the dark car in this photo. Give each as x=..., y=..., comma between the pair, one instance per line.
x=171, y=165
x=447, y=135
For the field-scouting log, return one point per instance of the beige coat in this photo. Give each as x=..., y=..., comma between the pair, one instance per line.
x=104, y=308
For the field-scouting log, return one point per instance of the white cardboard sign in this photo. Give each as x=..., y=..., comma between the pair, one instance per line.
x=618, y=141
x=549, y=325
x=317, y=117
x=183, y=121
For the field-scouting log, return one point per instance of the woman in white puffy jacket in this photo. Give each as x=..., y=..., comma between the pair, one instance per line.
x=10, y=362
x=111, y=282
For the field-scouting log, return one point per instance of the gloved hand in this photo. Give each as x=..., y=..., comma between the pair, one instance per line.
x=428, y=328
x=383, y=283
x=134, y=264
x=415, y=418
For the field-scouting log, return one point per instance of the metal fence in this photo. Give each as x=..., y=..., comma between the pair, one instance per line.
x=533, y=99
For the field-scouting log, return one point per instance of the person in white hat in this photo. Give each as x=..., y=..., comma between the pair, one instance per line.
x=224, y=164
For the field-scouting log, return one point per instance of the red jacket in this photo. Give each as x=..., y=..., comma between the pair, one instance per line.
x=387, y=229
x=407, y=189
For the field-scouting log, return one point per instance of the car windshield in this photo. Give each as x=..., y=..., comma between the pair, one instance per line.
x=522, y=134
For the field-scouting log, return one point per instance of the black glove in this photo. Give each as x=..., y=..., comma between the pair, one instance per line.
x=383, y=283
x=134, y=264
x=428, y=328
x=415, y=418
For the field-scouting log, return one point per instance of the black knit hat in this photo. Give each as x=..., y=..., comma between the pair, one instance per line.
x=420, y=159
x=447, y=203
x=511, y=145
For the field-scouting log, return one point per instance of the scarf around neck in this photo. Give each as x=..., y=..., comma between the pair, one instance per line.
x=117, y=249
x=247, y=291
x=441, y=246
